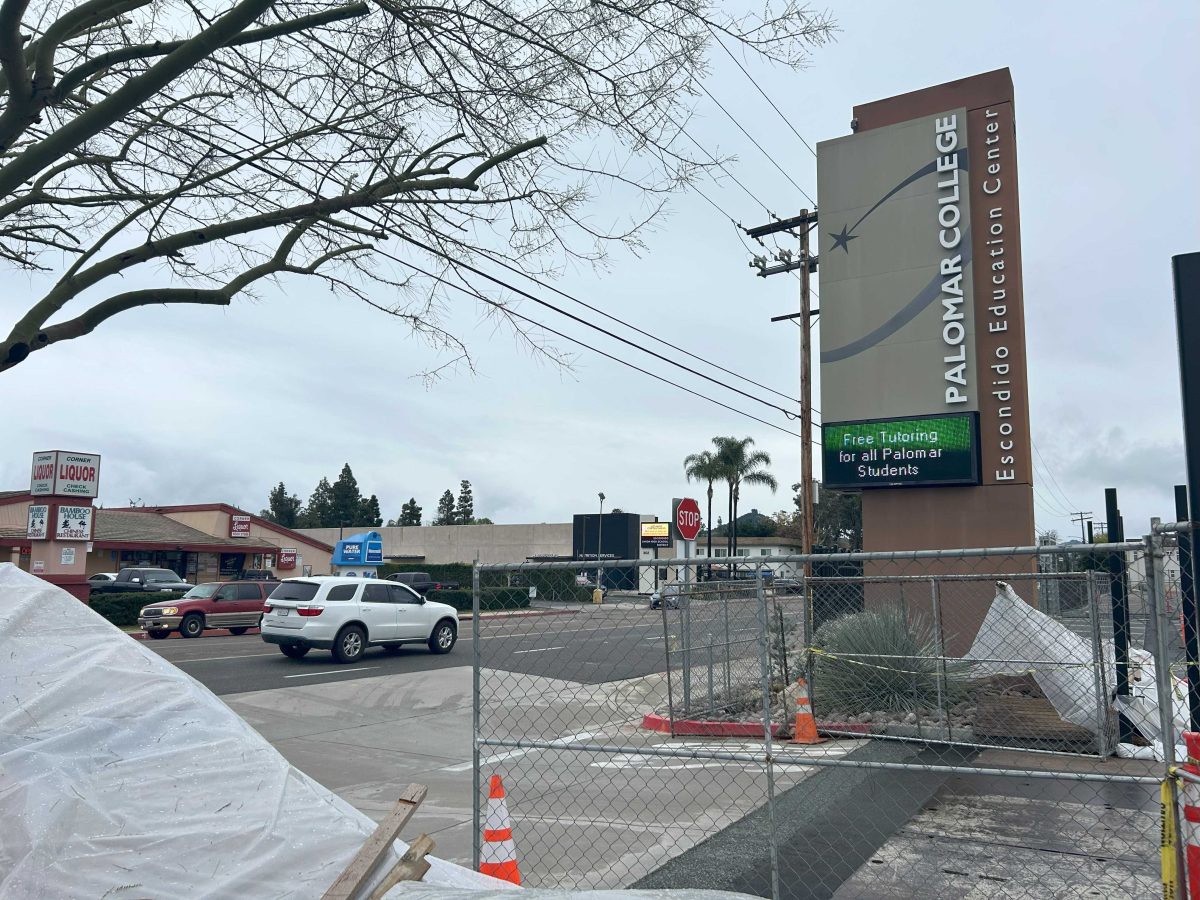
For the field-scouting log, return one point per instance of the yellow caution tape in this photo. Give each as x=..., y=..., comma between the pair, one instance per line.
x=1167, y=842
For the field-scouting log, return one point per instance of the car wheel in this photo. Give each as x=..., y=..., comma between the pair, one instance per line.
x=293, y=651
x=349, y=645
x=443, y=637
x=159, y=635
x=192, y=626
x=239, y=630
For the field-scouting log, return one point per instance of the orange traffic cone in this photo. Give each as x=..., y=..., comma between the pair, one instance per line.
x=805, y=729
x=498, y=856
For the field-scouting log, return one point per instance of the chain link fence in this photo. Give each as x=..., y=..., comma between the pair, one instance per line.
x=928, y=724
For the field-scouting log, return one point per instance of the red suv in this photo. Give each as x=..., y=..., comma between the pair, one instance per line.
x=236, y=605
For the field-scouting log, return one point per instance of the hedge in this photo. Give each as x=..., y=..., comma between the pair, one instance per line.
x=122, y=609
x=489, y=599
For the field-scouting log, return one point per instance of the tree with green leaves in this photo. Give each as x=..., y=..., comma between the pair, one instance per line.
x=742, y=465
x=464, y=513
x=283, y=508
x=484, y=520
x=346, y=504
x=837, y=519
x=318, y=513
x=410, y=514
x=705, y=467
x=369, y=513
x=445, y=510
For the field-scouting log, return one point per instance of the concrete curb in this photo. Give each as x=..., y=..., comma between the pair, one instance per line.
x=703, y=728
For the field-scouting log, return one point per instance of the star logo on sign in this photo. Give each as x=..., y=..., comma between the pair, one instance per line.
x=842, y=239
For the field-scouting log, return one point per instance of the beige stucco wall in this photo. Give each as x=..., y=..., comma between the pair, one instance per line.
x=465, y=543
x=216, y=522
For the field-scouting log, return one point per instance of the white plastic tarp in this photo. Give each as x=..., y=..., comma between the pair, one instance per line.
x=122, y=777
x=1015, y=638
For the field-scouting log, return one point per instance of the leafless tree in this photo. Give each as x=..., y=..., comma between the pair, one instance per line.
x=179, y=151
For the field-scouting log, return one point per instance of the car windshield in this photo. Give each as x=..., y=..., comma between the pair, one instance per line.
x=202, y=591
x=161, y=575
x=302, y=591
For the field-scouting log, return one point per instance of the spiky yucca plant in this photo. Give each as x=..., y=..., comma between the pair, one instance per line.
x=880, y=660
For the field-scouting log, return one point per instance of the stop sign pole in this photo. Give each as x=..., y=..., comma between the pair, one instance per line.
x=685, y=524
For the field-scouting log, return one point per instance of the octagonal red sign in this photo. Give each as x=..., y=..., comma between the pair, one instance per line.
x=687, y=519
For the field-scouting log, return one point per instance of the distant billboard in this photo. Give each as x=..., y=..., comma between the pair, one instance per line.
x=656, y=535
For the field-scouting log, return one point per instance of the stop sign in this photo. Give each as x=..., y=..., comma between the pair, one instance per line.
x=687, y=519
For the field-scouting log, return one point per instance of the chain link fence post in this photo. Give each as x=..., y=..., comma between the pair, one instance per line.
x=476, y=788
x=1160, y=617
x=764, y=645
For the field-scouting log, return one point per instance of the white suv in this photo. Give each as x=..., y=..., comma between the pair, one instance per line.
x=346, y=615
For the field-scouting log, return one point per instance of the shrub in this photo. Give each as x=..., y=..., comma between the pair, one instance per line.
x=880, y=660
x=122, y=609
x=489, y=599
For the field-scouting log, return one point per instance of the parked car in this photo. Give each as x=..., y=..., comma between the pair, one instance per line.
x=102, y=577
x=236, y=605
x=421, y=582
x=257, y=575
x=670, y=595
x=788, y=586
x=347, y=615
x=141, y=578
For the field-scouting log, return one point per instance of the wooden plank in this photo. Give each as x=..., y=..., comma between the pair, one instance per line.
x=355, y=875
x=412, y=867
x=1028, y=718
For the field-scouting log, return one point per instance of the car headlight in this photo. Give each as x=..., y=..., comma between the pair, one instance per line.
x=168, y=610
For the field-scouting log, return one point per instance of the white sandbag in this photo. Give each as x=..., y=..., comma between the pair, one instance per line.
x=1013, y=631
x=121, y=776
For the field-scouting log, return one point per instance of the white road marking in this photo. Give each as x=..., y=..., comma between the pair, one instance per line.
x=513, y=754
x=331, y=672
x=215, y=658
x=539, y=650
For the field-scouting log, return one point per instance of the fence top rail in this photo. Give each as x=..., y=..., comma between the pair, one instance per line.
x=1171, y=527
x=748, y=562
x=964, y=576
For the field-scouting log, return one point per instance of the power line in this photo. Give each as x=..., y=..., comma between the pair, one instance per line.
x=511, y=312
x=1061, y=493
x=758, y=87
x=550, y=287
x=743, y=130
x=592, y=325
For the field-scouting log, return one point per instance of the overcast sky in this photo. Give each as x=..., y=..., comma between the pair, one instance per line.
x=197, y=405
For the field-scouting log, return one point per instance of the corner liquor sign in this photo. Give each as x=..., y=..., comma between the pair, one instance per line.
x=922, y=338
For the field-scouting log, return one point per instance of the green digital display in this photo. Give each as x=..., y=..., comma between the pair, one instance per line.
x=921, y=452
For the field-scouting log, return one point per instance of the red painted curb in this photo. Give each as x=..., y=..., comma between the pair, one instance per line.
x=701, y=728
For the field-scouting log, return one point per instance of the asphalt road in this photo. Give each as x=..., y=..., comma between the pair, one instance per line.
x=589, y=647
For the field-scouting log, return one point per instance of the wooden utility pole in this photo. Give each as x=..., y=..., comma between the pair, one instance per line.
x=1083, y=518
x=800, y=227
x=806, y=454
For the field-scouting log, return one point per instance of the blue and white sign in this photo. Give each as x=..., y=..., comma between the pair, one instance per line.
x=360, y=551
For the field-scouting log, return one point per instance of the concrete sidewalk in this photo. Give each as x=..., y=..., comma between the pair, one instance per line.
x=581, y=818
x=366, y=738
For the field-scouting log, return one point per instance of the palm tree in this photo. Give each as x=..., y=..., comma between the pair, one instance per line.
x=705, y=466
x=742, y=465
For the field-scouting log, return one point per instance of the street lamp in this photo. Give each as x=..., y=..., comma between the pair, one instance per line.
x=599, y=544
